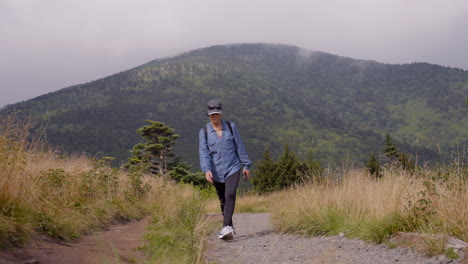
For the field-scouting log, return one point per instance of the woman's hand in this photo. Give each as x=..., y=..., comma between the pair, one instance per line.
x=209, y=176
x=246, y=174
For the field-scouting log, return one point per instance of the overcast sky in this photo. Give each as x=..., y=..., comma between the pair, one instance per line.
x=46, y=45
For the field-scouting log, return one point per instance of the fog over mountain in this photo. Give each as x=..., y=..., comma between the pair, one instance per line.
x=50, y=44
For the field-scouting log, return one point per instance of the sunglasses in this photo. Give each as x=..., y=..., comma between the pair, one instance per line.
x=215, y=107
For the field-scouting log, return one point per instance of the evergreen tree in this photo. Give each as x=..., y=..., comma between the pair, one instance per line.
x=140, y=157
x=180, y=172
x=156, y=153
x=396, y=157
x=311, y=169
x=373, y=166
x=287, y=170
x=264, y=179
x=390, y=148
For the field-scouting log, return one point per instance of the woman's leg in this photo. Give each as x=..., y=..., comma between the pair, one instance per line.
x=230, y=197
x=220, y=190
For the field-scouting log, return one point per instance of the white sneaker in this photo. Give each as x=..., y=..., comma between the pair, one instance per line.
x=227, y=233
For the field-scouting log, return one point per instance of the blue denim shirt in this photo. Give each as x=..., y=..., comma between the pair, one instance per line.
x=218, y=155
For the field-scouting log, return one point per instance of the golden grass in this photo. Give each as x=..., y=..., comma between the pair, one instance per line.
x=65, y=197
x=251, y=203
x=212, y=205
x=42, y=192
x=177, y=233
x=247, y=203
x=374, y=209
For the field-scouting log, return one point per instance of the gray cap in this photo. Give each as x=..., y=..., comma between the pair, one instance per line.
x=215, y=106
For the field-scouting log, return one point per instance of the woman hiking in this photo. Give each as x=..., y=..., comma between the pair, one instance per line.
x=222, y=157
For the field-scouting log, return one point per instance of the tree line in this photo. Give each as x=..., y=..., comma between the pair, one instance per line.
x=155, y=155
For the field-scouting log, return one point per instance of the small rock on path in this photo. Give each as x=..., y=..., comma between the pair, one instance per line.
x=256, y=243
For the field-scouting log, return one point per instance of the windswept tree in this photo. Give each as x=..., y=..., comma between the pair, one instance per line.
x=156, y=153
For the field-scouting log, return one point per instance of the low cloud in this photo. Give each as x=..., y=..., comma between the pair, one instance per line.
x=50, y=44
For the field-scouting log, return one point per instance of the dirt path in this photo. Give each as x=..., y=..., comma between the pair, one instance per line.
x=118, y=244
x=256, y=242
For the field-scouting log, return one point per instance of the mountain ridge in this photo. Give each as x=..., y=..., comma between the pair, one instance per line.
x=336, y=107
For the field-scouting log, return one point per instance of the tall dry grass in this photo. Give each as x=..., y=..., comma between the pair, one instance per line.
x=68, y=196
x=64, y=197
x=177, y=234
x=245, y=203
x=374, y=209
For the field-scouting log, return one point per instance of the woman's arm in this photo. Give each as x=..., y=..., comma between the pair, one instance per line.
x=243, y=157
x=204, y=152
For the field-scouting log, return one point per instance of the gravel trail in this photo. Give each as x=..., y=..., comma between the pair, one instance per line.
x=256, y=242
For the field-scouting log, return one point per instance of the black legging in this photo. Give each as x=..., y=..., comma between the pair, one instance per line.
x=227, y=196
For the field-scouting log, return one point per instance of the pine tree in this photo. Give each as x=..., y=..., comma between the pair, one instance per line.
x=287, y=171
x=311, y=169
x=155, y=154
x=396, y=157
x=139, y=156
x=264, y=178
x=390, y=148
x=373, y=166
x=180, y=172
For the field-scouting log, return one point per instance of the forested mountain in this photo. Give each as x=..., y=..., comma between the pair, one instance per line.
x=339, y=108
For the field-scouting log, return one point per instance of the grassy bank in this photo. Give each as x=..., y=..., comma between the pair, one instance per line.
x=66, y=197
x=178, y=231
x=374, y=209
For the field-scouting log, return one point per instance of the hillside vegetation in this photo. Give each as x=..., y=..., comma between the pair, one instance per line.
x=432, y=201
x=338, y=108
x=43, y=194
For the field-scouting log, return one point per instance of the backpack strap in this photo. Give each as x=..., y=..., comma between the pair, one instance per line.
x=230, y=130
x=206, y=133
